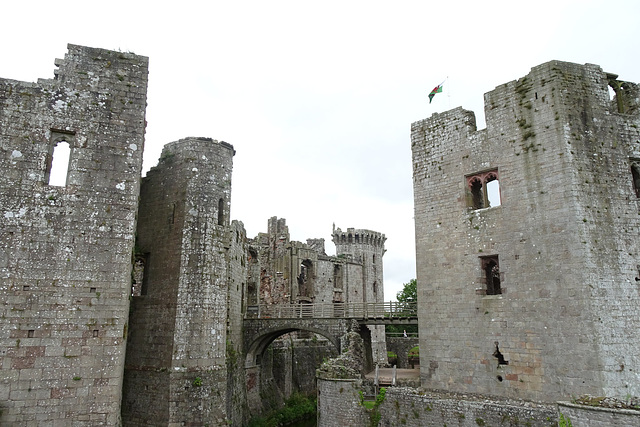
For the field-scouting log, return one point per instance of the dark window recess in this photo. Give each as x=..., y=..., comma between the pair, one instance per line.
x=221, y=212
x=491, y=269
x=337, y=276
x=305, y=279
x=499, y=355
x=140, y=275
x=483, y=190
x=635, y=175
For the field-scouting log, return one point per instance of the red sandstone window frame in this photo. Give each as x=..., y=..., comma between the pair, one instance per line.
x=476, y=189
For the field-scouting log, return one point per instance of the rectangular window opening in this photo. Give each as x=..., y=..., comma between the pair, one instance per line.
x=140, y=276
x=483, y=190
x=490, y=266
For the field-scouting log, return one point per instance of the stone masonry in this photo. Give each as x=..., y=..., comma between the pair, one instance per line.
x=282, y=271
x=123, y=299
x=185, y=322
x=285, y=271
x=532, y=294
x=65, y=250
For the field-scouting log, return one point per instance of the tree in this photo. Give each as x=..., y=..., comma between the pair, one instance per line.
x=409, y=293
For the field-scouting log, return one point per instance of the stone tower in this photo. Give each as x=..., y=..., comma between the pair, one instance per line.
x=366, y=247
x=527, y=239
x=71, y=162
x=185, y=322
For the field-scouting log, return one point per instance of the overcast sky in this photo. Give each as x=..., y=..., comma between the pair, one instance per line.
x=318, y=98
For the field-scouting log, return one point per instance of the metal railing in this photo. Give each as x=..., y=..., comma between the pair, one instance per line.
x=367, y=310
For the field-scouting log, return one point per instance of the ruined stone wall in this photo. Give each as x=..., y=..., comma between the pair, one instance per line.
x=295, y=363
x=581, y=415
x=339, y=403
x=329, y=290
x=565, y=237
x=191, y=289
x=238, y=273
x=65, y=257
x=413, y=408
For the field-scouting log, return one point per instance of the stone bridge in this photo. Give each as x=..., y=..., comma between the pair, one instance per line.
x=263, y=324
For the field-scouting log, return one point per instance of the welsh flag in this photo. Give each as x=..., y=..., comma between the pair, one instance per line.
x=435, y=90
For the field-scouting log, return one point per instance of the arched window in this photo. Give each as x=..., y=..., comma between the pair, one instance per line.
x=59, y=166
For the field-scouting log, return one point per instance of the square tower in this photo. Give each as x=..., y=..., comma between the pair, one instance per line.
x=71, y=162
x=527, y=239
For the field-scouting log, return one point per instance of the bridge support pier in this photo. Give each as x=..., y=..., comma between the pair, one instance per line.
x=252, y=382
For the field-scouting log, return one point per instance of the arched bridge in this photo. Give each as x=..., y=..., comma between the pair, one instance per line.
x=265, y=323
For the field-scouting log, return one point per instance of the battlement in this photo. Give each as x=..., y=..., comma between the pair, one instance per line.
x=358, y=236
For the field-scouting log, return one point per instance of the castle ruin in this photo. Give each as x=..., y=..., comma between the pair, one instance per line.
x=528, y=254
x=65, y=259
x=123, y=298
x=528, y=259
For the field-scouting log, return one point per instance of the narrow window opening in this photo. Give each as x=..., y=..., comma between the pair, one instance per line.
x=337, y=276
x=477, y=194
x=25, y=288
x=31, y=333
x=95, y=333
x=635, y=175
x=493, y=192
x=172, y=217
x=305, y=279
x=221, y=212
x=60, y=164
x=499, y=355
x=491, y=269
x=140, y=275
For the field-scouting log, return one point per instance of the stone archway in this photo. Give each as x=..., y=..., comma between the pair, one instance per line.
x=259, y=379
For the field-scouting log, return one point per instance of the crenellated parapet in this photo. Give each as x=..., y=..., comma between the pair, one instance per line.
x=358, y=236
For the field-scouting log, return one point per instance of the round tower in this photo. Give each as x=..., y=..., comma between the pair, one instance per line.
x=365, y=247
